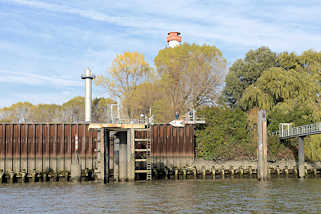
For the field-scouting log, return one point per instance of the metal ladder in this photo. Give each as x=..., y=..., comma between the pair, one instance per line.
x=147, y=159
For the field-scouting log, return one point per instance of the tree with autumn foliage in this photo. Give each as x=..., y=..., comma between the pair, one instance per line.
x=128, y=70
x=71, y=111
x=190, y=76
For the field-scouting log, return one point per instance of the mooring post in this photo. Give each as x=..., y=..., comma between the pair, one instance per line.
x=195, y=172
x=203, y=172
x=301, y=157
x=176, y=173
x=262, y=145
x=166, y=173
x=213, y=172
x=184, y=173
x=1, y=177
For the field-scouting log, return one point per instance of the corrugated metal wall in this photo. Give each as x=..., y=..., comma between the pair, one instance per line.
x=45, y=146
x=25, y=147
x=172, y=146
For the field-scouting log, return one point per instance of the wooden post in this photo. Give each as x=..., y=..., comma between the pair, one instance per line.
x=222, y=172
x=203, y=172
x=195, y=172
x=241, y=171
x=301, y=157
x=213, y=172
x=184, y=173
x=176, y=173
x=166, y=173
x=262, y=146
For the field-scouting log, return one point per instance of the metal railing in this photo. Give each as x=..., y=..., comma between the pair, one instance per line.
x=194, y=120
x=290, y=132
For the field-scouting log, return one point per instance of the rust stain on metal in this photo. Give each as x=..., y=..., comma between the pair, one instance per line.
x=45, y=146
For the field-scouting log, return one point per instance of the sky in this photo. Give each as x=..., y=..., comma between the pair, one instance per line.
x=46, y=45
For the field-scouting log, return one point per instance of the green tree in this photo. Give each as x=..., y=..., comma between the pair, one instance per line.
x=290, y=93
x=225, y=135
x=277, y=86
x=245, y=72
x=190, y=76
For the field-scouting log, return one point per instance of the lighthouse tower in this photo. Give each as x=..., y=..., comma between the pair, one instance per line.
x=174, y=39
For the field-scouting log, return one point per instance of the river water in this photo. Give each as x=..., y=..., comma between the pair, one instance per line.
x=283, y=195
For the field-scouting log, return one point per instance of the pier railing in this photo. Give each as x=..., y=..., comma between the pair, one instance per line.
x=286, y=130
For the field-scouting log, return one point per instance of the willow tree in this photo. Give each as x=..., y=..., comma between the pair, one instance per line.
x=128, y=70
x=245, y=72
x=190, y=76
x=277, y=86
x=290, y=87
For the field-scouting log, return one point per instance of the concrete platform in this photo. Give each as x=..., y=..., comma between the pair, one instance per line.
x=116, y=126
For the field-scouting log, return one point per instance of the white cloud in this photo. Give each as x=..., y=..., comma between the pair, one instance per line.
x=226, y=21
x=32, y=79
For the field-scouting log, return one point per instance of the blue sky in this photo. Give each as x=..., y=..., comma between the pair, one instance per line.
x=46, y=45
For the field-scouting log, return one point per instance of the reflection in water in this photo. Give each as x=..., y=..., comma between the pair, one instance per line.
x=183, y=196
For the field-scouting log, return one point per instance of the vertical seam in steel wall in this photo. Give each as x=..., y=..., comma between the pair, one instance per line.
x=158, y=146
x=41, y=136
x=184, y=147
x=70, y=141
x=27, y=142
x=172, y=145
x=56, y=146
x=35, y=145
x=19, y=132
x=5, y=147
x=64, y=142
x=164, y=145
x=12, y=147
x=92, y=149
x=77, y=153
x=49, y=155
x=84, y=143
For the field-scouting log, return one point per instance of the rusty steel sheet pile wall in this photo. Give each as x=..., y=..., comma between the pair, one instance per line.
x=41, y=147
x=172, y=146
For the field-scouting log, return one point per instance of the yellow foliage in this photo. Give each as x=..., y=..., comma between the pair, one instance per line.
x=312, y=148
